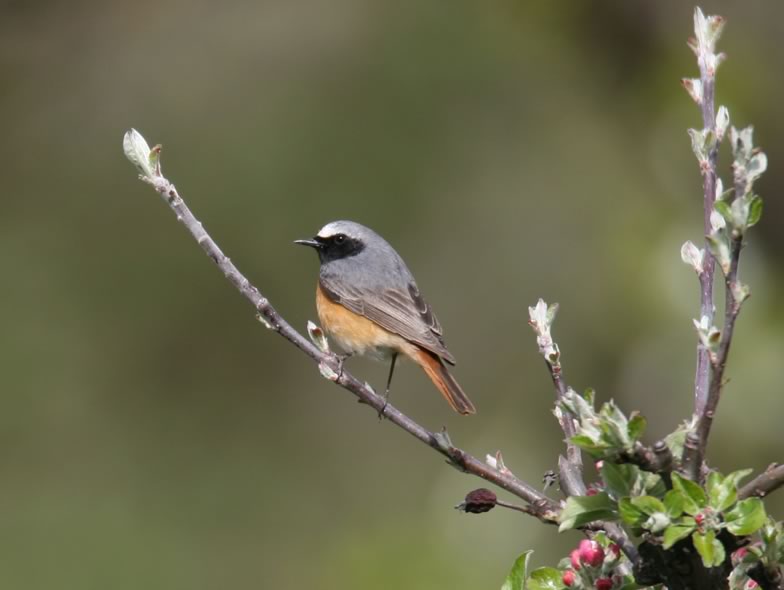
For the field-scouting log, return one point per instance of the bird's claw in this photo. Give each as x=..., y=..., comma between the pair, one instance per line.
x=385, y=397
x=341, y=361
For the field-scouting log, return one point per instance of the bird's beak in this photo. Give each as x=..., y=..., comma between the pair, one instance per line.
x=312, y=243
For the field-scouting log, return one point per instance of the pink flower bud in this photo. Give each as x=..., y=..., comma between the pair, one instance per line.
x=603, y=584
x=751, y=584
x=599, y=464
x=574, y=557
x=614, y=549
x=738, y=555
x=568, y=578
x=591, y=553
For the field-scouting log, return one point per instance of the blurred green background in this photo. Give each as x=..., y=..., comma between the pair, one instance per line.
x=155, y=436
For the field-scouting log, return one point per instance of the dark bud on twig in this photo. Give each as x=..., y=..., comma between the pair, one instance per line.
x=478, y=501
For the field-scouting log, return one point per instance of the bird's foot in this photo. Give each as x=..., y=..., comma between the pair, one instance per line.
x=342, y=358
x=385, y=397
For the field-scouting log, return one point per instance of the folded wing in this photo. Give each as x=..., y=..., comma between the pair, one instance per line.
x=404, y=313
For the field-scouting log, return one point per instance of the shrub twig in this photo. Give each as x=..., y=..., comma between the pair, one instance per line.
x=147, y=162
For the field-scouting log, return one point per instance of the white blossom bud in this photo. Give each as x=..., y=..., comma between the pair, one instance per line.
x=139, y=153
x=722, y=122
x=693, y=256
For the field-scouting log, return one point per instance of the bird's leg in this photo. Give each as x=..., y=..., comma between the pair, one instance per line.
x=389, y=382
x=342, y=359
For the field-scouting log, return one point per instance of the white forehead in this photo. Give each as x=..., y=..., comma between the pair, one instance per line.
x=338, y=227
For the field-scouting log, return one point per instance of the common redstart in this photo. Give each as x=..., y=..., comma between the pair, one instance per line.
x=368, y=302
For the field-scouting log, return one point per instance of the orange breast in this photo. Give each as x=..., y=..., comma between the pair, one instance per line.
x=355, y=333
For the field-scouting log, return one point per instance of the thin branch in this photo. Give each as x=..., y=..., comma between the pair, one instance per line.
x=705, y=143
x=709, y=175
x=329, y=364
x=541, y=318
x=523, y=509
x=766, y=482
x=570, y=467
x=718, y=362
x=483, y=500
x=573, y=453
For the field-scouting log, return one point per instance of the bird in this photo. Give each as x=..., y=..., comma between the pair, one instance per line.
x=369, y=303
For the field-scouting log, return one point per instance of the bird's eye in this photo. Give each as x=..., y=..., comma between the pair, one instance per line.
x=340, y=238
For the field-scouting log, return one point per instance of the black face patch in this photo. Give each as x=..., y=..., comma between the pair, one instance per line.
x=338, y=246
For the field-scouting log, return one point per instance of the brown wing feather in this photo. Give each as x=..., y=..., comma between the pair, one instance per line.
x=404, y=313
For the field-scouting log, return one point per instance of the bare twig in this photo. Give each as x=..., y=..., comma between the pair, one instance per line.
x=709, y=175
x=719, y=361
x=573, y=453
x=517, y=507
x=541, y=318
x=483, y=500
x=766, y=482
x=329, y=364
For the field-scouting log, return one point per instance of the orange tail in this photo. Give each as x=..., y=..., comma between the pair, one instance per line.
x=446, y=384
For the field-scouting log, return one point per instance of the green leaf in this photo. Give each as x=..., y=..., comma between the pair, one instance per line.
x=589, y=445
x=630, y=514
x=578, y=405
x=519, y=572
x=580, y=510
x=619, y=479
x=746, y=517
x=636, y=427
x=673, y=502
x=545, y=578
x=693, y=495
x=676, y=440
x=710, y=549
x=723, y=207
x=652, y=485
x=737, y=476
x=644, y=512
x=755, y=211
x=675, y=533
x=648, y=504
x=614, y=425
x=589, y=395
x=723, y=491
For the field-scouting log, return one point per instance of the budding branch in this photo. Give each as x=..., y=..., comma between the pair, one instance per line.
x=542, y=506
